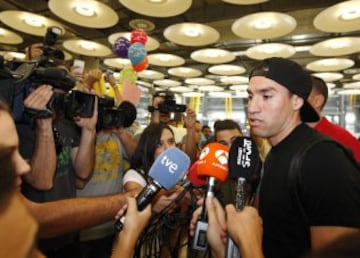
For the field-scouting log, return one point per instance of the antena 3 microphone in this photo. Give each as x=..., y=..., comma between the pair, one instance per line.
x=213, y=165
x=167, y=170
x=244, y=168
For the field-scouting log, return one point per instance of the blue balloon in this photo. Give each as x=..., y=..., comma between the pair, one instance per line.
x=137, y=53
x=121, y=47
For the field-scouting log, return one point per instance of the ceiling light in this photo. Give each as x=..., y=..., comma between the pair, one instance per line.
x=199, y=81
x=34, y=21
x=192, y=32
x=239, y=87
x=85, y=10
x=349, y=92
x=262, y=24
x=87, y=45
x=329, y=77
x=181, y=89
x=211, y=88
x=352, y=85
x=193, y=94
x=222, y=94
x=156, y=1
x=350, y=14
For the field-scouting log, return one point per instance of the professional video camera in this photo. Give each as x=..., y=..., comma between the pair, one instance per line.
x=168, y=105
x=81, y=104
x=45, y=69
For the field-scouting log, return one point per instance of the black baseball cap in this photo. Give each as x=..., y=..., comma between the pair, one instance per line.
x=292, y=76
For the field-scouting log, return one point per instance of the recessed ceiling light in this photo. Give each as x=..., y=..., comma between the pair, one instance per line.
x=34, y=21
x=350, y=14
x=192, y=32
x=262, y=24
x=157, y=1
x=88, y=45
x=85, y=10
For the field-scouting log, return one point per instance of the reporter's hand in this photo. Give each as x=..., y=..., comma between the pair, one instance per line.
x=195, y=217
x=245, y=228
x=216, y=232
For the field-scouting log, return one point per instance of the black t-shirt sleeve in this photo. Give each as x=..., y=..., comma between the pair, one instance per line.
x=330, y=187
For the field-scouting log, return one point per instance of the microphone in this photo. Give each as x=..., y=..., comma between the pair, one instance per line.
x=244, y=170
x=193, y=176
x=213, y=165
x=166, y=171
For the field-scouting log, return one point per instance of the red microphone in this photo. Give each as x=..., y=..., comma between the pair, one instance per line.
x=193, y=176
x=213, y=165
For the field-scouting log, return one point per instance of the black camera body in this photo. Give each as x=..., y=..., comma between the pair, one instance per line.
x=169, y=104
x=77, y=103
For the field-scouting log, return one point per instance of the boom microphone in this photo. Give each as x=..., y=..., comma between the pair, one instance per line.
x=244, y=169
x=212, y=164
x=166, y=171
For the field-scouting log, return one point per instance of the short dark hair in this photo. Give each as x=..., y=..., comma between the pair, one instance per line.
x=205, y=127
x=319, y=86
x=226, y=124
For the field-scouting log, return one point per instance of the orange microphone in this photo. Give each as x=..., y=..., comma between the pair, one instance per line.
x=213, y=161
x=213, y=165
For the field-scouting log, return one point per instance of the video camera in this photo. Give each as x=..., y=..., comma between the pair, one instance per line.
x=168, y=105
x=77, y=103
x=45, y=70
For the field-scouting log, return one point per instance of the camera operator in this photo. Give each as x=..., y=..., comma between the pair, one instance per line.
x=61, y=153
x=114, y=146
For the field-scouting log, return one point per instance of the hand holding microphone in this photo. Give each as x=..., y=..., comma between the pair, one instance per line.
x=244, y=169
x=167, y=170
x=212, y=164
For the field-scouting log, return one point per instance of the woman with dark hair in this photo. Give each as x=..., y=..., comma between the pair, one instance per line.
x=160, y=239
x=155, y=139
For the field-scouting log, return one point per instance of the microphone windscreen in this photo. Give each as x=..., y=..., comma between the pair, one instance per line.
x=244, y=159
x=193, y=176
x=213, y=161
x=169, y=167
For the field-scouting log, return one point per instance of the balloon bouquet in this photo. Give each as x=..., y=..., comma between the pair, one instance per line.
x=133, y=49
x=136, y=52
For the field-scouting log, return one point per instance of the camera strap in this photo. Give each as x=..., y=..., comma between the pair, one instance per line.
x=31, y=114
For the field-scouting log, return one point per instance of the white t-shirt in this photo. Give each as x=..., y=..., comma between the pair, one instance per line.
x=135, y=177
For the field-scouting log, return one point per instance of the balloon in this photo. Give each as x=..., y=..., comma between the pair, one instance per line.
x=137, y=53
x=142, y=66
x=127, y=74
x=138, y=35
x=121, y=47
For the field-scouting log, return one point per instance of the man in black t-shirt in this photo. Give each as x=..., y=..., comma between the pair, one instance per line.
x=328, y=181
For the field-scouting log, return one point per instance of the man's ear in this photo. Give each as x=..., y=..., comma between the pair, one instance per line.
x=297, y=101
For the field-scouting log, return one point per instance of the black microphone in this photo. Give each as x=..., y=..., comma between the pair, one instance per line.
x=166, y=171
x=244, y=169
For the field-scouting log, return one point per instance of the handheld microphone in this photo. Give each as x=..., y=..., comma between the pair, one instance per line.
x=166, y=171
x=193, y=176
x=244, y=169
x=212, y=164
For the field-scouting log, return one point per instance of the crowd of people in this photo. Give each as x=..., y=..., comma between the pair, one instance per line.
x=65, y=181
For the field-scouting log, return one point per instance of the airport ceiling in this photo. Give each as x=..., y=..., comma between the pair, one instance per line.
x=218, y=14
